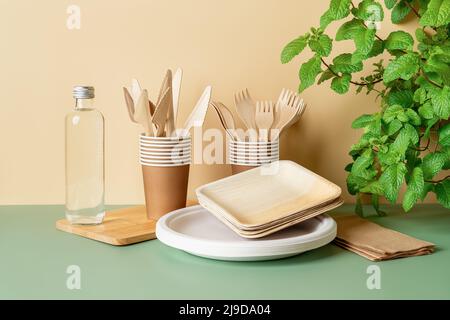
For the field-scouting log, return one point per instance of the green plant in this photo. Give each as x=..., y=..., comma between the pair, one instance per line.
x=408, y=140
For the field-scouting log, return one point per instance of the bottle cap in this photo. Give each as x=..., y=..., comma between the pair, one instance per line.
x=83, y=92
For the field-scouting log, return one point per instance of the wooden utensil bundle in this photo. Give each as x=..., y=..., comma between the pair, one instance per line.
x=264, y=120
x=159, y=120
x=256, y=203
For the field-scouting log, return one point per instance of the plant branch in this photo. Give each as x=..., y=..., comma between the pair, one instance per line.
x=438, y=181
x=352, y=82
x=426, y=147
x=412, y=8
x=431, y=81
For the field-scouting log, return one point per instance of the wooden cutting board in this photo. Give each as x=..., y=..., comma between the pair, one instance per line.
x=120, y=227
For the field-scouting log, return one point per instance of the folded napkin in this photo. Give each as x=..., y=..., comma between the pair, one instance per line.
x=375, y=242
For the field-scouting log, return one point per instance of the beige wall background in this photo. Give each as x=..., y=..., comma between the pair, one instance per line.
x=230, y=44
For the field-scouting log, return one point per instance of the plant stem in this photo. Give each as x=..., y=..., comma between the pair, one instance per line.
x=412, y=8
x=426, y=147
x=431, y=81
x=352, y=82
x=438, y=181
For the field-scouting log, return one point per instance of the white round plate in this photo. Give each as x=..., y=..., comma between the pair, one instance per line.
x=198, y=232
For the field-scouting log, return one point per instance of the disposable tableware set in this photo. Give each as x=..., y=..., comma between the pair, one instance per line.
x=267, y=209
x=247, y=211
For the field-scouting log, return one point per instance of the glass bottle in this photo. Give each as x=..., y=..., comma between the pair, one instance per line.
x=85, y=177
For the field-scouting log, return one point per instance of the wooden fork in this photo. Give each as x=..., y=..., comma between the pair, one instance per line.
x=264, y=118
x=283, y=99
x=246, y=108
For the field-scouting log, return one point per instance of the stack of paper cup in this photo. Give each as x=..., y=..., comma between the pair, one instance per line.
x=165, y=167
x=244, y=155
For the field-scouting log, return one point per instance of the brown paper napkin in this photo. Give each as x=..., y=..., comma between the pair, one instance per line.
x=377, y=243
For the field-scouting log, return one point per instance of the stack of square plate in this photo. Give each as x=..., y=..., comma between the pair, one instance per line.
x=264, y=200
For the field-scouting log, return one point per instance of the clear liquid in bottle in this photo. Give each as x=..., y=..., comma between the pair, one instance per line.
x=85, y=186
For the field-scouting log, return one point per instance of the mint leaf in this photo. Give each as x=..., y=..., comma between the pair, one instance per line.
x=399, y=40
x=413, y=117
x=393, y=127
x=322, y=45
x=374, y=188
x=392, y=112
x=391, y=180
x=390, y=3
x=363, y=121
x=432, y=163
x=437, y=14
x=341, y=84
x=411, y=133
x=420, y=95
x=440, y=98
x=400, y=11
x=338, y=9
x=364, y=42
x=443, y=193
x=421, y=35
x=343, y=63
x=401, y=143
x=403, y=67
x=326, y=75
x=426, y=111
x=354, y=183
x=308, y=72
x=377, y=49
x=349, y=29
x=414, y=190
x=444, y=135
x=362, y=162
x=293, y=48
x=370, y=11
x=403, y=98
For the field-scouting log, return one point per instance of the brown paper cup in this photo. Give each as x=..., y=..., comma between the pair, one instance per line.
x=165, y=189
x=165, y=169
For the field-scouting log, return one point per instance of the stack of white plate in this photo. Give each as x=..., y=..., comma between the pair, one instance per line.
x=197, y=231
x=253, y=153
x=164, y=151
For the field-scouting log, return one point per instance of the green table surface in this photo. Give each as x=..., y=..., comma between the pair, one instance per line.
x=35, y=257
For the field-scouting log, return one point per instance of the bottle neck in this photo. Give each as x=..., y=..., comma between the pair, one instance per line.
x=84, y=104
